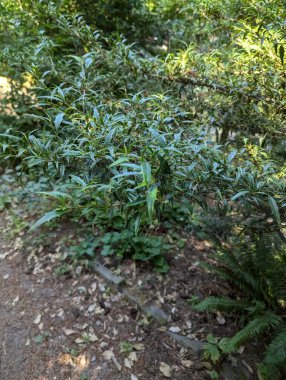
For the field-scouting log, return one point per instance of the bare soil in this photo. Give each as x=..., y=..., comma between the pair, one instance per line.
x=64, y=327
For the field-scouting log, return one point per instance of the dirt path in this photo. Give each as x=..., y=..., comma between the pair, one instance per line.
x=60, y=328
x=22, y=299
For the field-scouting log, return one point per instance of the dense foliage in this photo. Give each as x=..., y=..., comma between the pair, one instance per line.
x=153, y=113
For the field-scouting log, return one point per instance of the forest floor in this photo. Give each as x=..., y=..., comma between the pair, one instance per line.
x=71, y=325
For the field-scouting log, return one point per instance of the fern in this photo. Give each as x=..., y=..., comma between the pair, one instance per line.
x=236, y=269
x=253, y=329
x=258, y=269
x=268, y=372
x=211, y=351
x=276, y=351
x=220, y=304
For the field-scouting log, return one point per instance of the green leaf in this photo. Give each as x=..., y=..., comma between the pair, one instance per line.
x=211, y=351
x=58, y=120
x=137, y=225
x=239, y=194
x=87, y=62
x=46, y=218
x=213, y=303
x=281, y=53
x=55, y=194
x=109, y=136
x=15, y=138
x=231, y=155
x=212, y=339
x=39, y=339
x=79, y=180
x=147, y=174
x=151, y=198
x=274, y=208
x=96, y=113
x=119, y=161
x=253, y=329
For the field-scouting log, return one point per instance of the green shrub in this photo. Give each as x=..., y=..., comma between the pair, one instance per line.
x=128, y=17
x=185, y=132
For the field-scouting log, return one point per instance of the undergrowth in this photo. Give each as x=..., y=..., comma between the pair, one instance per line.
x=257, y=270
x=182, y=129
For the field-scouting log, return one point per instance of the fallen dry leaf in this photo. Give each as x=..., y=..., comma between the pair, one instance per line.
x=91, y=308
x=240, y=350
x=15, y=301
x=93, y=338
x=133, y=356
x=82, y=361
x=207, y=365
x=162, y=329
x=37, y=320
x=69, y=332
x=128, y=363
x=139, y=346
x=107, y=354
x=187, y=363
x=165, y=369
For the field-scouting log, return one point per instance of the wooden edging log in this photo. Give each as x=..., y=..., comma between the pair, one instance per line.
x=151, y=310
x=228, y=371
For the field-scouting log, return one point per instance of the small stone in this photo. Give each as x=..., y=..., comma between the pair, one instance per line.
x=174, y=329
x=192, y=344
x=107, y=274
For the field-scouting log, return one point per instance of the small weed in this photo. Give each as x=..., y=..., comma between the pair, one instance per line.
x=18, y=225
x=39, y=339
x=74, y=352
x=125, y=347
x=62, y=270
x=213, y=375
x=5, y=201
x=141, y=248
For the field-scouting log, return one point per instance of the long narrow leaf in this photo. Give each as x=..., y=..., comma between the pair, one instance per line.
x=46, y=218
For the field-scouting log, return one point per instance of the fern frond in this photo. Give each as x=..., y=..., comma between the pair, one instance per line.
x=222, y=272
x=230, y=271
x=211, y=351
x=220, y=304
x=268, y=372
x=255, y=270
x=276, y=351
x=238, y=273
x=254, y=328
